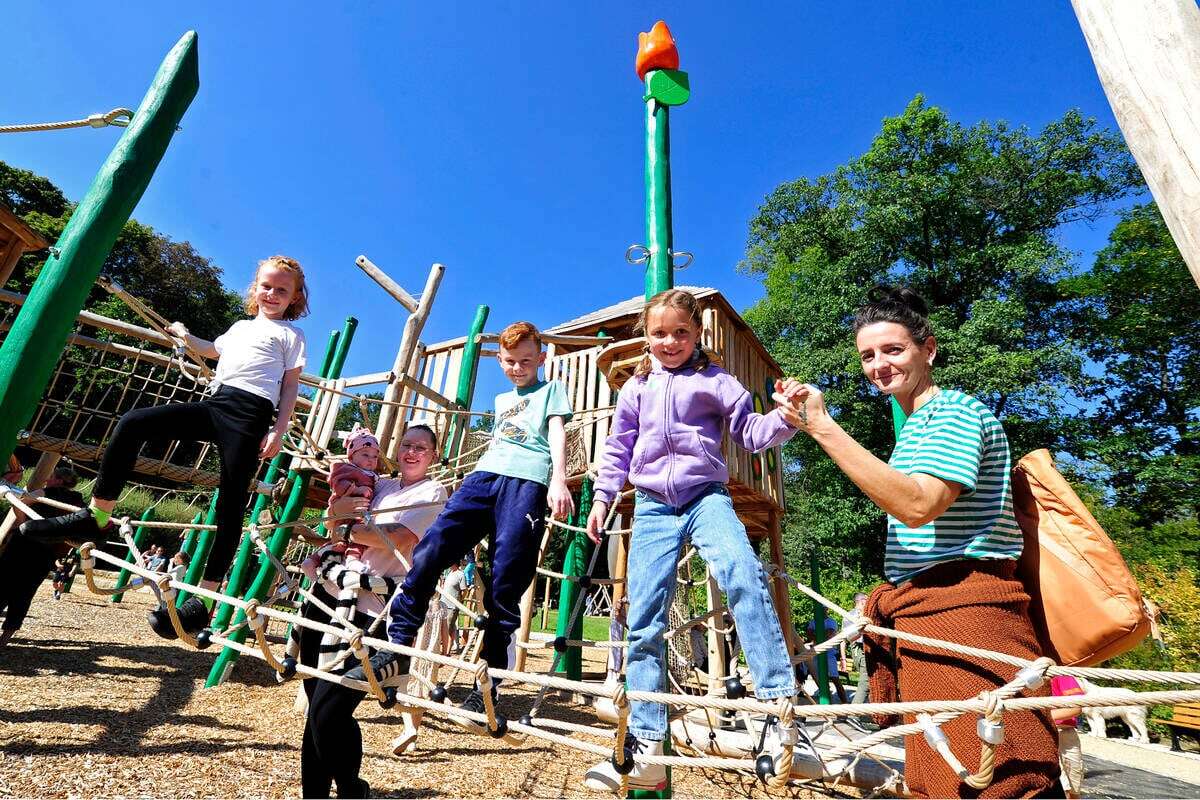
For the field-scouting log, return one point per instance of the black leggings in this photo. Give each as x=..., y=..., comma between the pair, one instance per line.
x=234, y=420
x=332, y=746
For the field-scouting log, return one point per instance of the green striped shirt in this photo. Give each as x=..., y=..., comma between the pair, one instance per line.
x=954, y=437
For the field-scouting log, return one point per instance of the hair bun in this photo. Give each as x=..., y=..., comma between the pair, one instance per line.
x=900, y=295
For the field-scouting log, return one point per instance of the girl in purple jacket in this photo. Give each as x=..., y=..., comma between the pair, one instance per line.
x=666, y=438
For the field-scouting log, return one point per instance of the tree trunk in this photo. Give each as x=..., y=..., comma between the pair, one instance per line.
x=1147, y=54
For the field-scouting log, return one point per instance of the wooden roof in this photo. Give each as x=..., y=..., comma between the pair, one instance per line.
x=12, y=226
x=622, y=315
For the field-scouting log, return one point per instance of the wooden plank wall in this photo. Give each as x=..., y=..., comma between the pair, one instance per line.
x=587, y=389
x=762, y=472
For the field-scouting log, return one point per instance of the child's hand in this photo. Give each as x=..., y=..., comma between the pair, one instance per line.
x=801, y=404
x=270, y=444
x=178, y=330
x=595, y=521
x=559, y=498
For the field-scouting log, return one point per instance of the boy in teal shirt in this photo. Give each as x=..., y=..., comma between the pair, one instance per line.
x=505, y=499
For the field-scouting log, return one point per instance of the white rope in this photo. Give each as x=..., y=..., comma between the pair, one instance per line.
x=119, y=117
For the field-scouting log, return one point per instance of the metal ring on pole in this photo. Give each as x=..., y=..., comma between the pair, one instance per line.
x=637, y=254
x=688, y=258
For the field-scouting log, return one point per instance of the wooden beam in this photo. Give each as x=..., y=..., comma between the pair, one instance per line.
x=437, y=398
x=390, y=286
x=1147, y=55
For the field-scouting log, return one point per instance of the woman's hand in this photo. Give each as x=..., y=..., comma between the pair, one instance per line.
x=559, y=498
x=349, y=506
x=801, y=404
x=271, y=444
x=595, y=521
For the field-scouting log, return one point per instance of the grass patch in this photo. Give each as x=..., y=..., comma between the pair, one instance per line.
x=594, y=628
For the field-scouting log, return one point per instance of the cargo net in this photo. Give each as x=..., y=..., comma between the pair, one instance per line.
x=102, y=375
x=707, y=724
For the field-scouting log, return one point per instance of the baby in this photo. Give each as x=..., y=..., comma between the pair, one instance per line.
x=354, y=477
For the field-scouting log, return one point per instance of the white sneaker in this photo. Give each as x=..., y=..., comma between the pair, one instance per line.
x=604, y=777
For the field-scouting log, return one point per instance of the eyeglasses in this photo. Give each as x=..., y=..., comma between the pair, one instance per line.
x=419, y=449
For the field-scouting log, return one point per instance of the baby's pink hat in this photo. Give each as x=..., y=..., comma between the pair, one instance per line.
x=359, y=438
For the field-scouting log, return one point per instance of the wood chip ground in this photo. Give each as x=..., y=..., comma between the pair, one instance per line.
x=93, y=704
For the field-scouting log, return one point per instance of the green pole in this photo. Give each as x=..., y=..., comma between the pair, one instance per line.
x=203, y=546
x=664, y=88
x=266, y=575
x=466, y=377
x=39, y=333
x=291, y=512
x=819, y=636
x=189, y=538
x=139, y=538
x=898, y=417
x=574, y=564
x=239, y=573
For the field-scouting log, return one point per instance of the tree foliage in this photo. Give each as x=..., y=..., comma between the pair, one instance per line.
x=968, y=217
x=169, y=276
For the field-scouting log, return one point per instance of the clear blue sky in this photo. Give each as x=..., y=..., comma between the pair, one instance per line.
x=505, y=139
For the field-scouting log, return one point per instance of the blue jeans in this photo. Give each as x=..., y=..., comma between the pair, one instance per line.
x=509, y=513
x=659, y=532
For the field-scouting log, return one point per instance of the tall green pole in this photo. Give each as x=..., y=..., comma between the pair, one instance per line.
x=574, y=564
x=39, y=333
x=139, y=538
x=466, y=378
x=291, y=512
x=239, y=573
x=204, y=542
x=665, y=87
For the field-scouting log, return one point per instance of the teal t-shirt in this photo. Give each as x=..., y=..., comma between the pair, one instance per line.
x=520, y=446
x=956, y=438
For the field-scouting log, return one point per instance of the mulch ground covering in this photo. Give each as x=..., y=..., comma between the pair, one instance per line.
x=93, y=704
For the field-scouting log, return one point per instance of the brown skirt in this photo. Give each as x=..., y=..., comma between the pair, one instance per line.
x=979, y=604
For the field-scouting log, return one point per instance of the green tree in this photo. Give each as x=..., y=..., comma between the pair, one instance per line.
x=170, y=277
x=968, y=217
x=1136, y=319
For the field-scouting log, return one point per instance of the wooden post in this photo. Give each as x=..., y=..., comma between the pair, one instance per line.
x=1147, y=55
x=408, y=343
x=718, y=665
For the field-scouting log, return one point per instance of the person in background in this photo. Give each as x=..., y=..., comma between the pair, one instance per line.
x=835, y=658
x=857, y=657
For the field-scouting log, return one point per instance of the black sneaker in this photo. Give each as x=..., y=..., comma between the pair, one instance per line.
x=388, y=667
x=77, y=526
x=193, y=616
x=361, y=789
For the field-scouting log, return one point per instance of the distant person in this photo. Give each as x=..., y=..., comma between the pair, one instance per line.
x=835, y=657
x=453, y=587
x=858, y=659
x=257, y=376
x=1066, y=720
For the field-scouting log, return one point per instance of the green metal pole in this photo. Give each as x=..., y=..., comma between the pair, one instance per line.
x=239, y=573
x=574, y=565
x=664, y=88
x=819, y=636
x=659, y=237
x=466, y=378
x=203, y=546
x=189, y=535
x=139, y=538
x=39, y=333
x=291, y=512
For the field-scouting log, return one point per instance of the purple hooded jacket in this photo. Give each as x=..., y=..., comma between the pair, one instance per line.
x=666, y=434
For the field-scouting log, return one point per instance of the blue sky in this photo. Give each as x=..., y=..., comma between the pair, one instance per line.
x=505, y=140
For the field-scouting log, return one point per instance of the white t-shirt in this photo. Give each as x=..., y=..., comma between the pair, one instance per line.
x=256, y=352
x=381, y=560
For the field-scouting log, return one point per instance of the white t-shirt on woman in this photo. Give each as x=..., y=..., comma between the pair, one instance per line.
x=382, y=561
x=256, y=352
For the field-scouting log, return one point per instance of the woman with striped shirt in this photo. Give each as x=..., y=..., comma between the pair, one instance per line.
x=951, y=553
